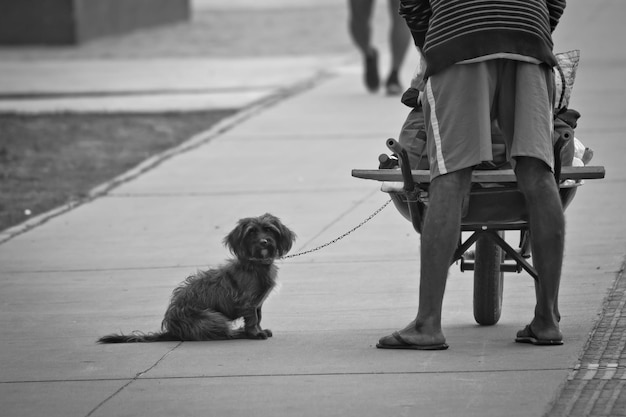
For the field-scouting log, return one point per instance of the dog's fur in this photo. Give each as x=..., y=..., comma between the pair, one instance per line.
x=204, y=305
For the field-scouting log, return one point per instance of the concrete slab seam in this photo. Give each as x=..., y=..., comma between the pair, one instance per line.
x=340, y=237
x=194, y=142
x=136, y=377
x=141, y=375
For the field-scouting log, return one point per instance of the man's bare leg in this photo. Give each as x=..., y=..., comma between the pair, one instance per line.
x=547, y=233
x=440, y=236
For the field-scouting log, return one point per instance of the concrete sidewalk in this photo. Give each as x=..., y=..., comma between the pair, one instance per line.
x=152, y=86
x=110, y=265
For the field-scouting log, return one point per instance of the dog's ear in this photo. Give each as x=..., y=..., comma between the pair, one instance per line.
x=286, y=237
x=234, y=241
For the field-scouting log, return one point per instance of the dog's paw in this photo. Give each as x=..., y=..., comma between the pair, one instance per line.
x=257, y=335
x=267, y=332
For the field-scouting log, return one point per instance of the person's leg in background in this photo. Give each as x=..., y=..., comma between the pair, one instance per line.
x=399, y=40
x=360, y=24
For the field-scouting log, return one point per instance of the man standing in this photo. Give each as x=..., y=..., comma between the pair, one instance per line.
x=486, y=60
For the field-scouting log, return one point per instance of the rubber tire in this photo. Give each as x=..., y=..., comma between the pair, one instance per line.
x=488, y=281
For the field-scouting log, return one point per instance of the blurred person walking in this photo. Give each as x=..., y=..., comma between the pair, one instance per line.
x=360, y=19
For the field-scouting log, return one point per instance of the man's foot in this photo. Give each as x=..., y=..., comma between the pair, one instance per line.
x=393, y=84
x=372, y=79
x=527, y=335
x=396, y=341
x=426, y=338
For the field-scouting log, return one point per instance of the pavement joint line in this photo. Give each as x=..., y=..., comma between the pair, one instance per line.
x=338, y=238
x=328, y=136
x=137, y=376
x=162, y=267
x=192, y=143
x=375, y=373
x=255, y=191
x=340, y=217
x=83, y=270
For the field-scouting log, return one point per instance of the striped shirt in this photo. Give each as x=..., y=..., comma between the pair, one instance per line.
x=451, y=31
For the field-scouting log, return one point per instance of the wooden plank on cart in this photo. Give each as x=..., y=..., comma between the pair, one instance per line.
x=504, y=175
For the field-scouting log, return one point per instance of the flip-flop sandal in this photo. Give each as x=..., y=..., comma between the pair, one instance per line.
x=403, y=344
x=527, y=335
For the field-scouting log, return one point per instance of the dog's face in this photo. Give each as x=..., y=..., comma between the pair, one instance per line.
x=260, y=238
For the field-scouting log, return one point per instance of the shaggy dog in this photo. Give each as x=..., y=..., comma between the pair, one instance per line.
x=204, y=305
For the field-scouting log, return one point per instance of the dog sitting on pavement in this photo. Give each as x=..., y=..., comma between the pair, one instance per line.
x=205, y=304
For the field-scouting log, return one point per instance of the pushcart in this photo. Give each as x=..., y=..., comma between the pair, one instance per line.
x=495, y=206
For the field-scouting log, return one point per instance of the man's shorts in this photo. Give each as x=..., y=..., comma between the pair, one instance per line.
x=461, y=102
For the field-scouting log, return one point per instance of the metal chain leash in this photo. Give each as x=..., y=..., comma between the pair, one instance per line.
x=337, y=239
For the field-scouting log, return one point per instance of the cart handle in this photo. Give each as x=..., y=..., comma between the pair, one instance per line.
x=405, y=166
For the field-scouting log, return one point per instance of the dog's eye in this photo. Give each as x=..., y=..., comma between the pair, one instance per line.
x=273, y=231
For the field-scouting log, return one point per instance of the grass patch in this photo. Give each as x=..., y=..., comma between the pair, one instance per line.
x=50, y=160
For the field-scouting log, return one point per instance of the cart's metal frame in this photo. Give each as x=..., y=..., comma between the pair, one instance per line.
x=495, y=205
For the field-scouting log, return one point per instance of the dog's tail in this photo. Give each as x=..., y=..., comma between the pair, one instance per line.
x=138, y=337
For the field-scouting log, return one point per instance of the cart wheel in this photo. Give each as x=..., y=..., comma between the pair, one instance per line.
x=488, y=281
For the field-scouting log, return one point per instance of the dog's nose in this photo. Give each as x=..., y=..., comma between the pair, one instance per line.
x=263, y=242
